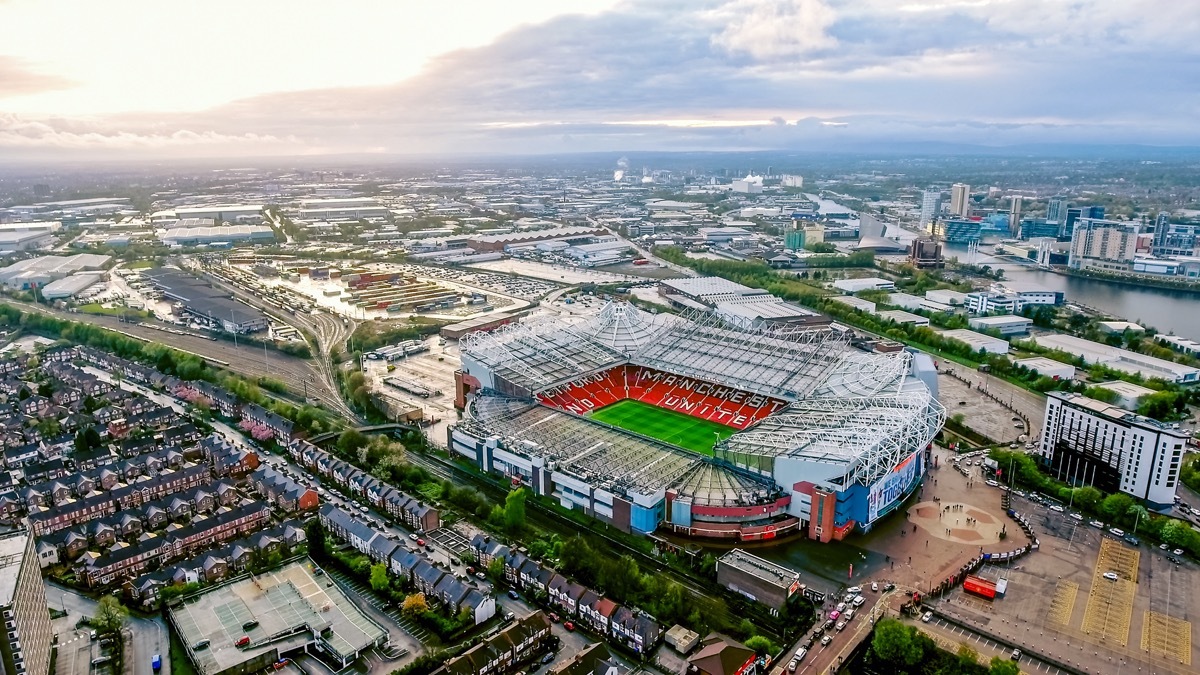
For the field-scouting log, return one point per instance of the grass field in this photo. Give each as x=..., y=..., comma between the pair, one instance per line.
x=669, y=426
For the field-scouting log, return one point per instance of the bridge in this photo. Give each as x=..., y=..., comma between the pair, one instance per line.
x=321, y=439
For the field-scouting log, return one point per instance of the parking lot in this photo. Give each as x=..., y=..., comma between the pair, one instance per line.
x=1059, y=601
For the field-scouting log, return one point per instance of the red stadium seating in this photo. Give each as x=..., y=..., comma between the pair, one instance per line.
x=706, y=400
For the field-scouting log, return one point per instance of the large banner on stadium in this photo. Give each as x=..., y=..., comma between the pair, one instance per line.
x=889, y=488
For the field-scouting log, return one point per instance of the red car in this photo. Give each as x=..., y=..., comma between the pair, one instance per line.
x=243, y=641
x=553, y=617
x=569, y=626
x=420, y=542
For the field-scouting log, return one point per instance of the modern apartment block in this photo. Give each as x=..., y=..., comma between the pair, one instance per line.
x=1089, y=442
x=25, y=649
x=1104, y=244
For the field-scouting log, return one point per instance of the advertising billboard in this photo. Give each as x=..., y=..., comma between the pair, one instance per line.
x=888, y=489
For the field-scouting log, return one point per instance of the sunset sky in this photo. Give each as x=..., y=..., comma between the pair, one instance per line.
x=131, y=78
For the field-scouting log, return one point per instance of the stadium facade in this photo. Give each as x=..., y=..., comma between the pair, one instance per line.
x=824, y=438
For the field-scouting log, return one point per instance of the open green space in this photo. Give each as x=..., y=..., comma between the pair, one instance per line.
x=668, y=426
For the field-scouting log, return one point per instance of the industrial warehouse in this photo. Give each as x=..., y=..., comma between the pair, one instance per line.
x=709, y=427
x=198, y=300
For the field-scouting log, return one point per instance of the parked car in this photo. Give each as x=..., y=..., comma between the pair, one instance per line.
x=513, y=594
x=1117, y=531
x=1111, y=576
x=568, y=625
x=875, y=586
x=927, y=617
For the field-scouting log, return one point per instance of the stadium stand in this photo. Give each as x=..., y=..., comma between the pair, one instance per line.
x=713, y=402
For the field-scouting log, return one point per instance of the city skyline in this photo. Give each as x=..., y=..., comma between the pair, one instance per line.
x=302, y=79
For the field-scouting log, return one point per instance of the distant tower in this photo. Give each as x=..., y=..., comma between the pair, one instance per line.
x=1056, y=210
x=960, y=199
x=1014, y=217
x=1096, y=212
x=769, y=173
x=1162, y=228
x=931, y=203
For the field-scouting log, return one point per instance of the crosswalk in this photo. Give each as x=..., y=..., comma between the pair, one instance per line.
x=367, y=595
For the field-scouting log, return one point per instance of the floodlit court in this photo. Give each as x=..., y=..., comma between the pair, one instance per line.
x=1110, y=603
x=279, y=612
x=668, y=426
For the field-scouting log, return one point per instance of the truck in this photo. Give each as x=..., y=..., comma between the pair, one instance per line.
x=156, y=662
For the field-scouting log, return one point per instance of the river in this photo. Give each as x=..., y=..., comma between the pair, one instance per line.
x=1166, y=311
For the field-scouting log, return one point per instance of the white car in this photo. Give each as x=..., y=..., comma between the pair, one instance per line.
x=841, y=607
x=875, y=586
x=859, y=601
x=1097, y=524
x=1178, y=551
x=1111, y=576
x=1057, y=509
x=1076, y=516
x=1117, y=532
x=926, y=618
x=992, y=483
x=855, y=590
x=841, y=625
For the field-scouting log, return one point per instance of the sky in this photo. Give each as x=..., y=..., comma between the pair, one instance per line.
x=140, y=78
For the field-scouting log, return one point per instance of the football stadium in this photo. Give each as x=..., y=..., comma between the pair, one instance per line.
x=702, y=426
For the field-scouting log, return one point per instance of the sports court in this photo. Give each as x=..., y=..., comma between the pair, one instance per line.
x=668, y=426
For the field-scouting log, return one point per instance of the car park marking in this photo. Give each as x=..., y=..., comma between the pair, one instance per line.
x=1110, y=602
x=1062, y=606
x=1167, y=637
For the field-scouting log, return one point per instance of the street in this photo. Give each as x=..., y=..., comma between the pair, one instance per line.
x=149, y=636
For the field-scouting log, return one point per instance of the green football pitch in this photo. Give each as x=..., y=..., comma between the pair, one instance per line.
x=669, y=426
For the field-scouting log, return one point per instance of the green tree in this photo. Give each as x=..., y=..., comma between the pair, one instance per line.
x=760, y=644
x=1088, y=498
x=314, y=533
x=514, y=510
x=349, y=441
x=379, y=577
x=495, y=569
x=895, y=644
x=110, y=615
x=1116, y=506
x=1002, y=666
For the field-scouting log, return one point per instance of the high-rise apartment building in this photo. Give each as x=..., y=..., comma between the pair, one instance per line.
x=1104, y=244
x=1089, y=442
x=1056, y=210
x=931, y=204
x=960, y=199
x=28, y=633
x=1014, y=216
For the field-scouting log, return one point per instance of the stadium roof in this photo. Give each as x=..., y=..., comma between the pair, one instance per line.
x=863, y=415
x=778, y=360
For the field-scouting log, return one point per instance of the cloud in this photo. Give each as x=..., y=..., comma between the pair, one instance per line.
x=683, y=75
x=773, y=29
x=17, y=133
x=18, y=79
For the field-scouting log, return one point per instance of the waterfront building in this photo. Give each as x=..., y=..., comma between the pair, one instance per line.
x=1103, y=244
x=960, y=199
x=1089, y=442
x=931, y=205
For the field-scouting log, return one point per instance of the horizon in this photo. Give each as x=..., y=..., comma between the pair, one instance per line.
x=307, y=80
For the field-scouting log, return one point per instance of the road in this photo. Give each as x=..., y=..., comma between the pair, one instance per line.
x=150, y=635
x=949, y=636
